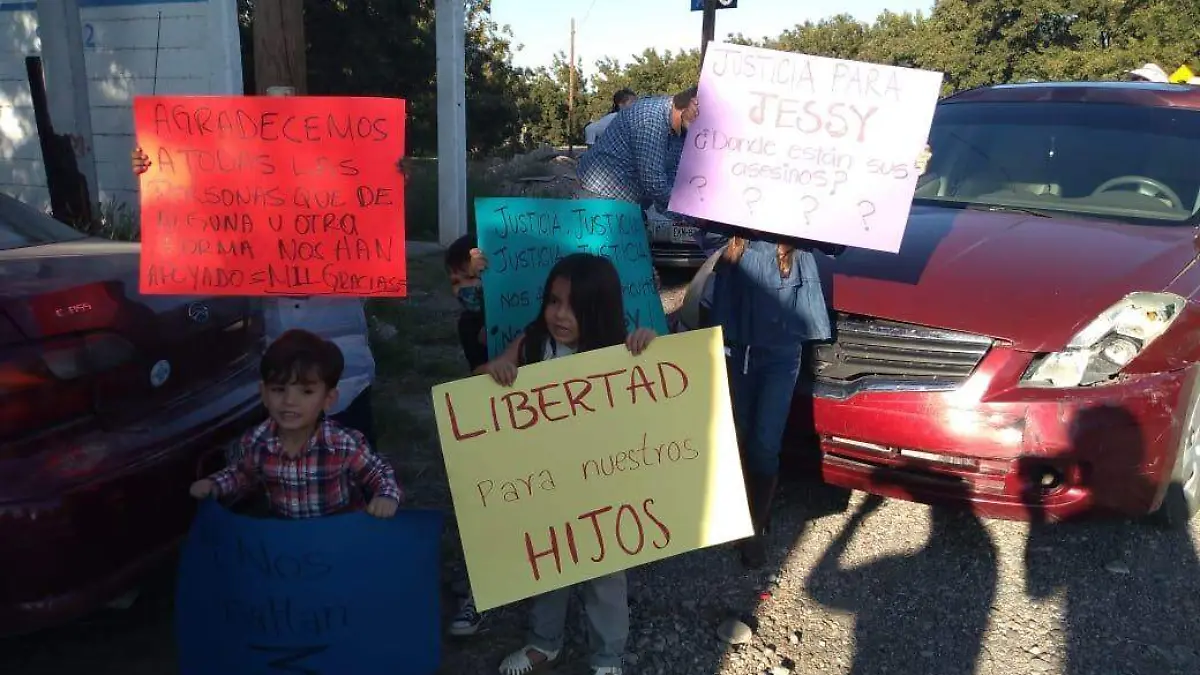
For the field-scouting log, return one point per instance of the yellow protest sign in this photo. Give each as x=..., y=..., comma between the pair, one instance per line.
x=592, y=464
x=1182, y=76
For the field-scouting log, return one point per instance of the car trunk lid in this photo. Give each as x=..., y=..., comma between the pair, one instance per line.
x=77, y=306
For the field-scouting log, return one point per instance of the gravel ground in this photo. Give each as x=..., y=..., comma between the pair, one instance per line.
x=870, y=587
x=855, y=585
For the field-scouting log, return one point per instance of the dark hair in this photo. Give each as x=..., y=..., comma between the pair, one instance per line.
x=684, y=98
x=459, y=253
x=299, y=355
x=621, y=96
x=595, y=299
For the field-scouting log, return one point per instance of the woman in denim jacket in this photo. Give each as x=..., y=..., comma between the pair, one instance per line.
x=767, y=298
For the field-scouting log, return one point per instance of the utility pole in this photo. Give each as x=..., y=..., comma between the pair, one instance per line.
x=71, y=168
x=279, y=46
x=571, y=95
x=708, y=28
x=450, y=26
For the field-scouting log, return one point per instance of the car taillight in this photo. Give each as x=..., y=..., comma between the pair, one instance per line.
x=95, y=353
x=46, y=385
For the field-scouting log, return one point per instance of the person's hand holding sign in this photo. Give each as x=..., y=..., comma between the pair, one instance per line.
x=382, y=507
x=470, y=275
x=141, y=162
x=639, y=339
x=923, y=158
x=202, y=489
x=479, y=261
x=502, y=368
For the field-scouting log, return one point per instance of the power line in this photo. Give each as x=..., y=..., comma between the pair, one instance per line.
x=587, y=14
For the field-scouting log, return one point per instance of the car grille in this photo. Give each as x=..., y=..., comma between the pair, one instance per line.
x=877, y=354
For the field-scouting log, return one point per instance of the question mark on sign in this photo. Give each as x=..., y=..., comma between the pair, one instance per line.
x=810, y=207
x=867, y=209
x=752, y=195
x=699, y=182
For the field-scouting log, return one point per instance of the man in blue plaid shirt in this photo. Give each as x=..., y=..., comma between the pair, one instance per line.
x=637, y=157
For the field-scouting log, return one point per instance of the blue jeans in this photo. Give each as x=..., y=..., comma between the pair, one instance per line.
x=761, y=383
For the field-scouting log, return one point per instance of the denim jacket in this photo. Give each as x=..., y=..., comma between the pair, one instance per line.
x=757, y=308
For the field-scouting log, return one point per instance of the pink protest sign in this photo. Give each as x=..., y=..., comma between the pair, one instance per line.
x=806, y=146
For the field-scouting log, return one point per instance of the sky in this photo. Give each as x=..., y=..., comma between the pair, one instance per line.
x=622, y=28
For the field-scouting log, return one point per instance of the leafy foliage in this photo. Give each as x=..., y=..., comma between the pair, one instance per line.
x=388, y=48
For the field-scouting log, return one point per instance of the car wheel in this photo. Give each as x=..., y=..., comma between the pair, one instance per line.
x=1182, y=499
x=690, y=313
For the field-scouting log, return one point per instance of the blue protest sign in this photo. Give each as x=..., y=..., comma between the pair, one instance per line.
x=523, y=238
x=321, y=596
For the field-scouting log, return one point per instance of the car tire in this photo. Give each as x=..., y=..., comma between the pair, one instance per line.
x=1182, y=498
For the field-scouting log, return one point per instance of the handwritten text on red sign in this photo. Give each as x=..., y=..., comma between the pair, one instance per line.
x=272, y=195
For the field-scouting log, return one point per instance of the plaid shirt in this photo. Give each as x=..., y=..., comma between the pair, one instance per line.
x=328, y=477
x=636, y=158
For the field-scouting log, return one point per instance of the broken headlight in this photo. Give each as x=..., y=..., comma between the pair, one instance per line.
x=1106, y=345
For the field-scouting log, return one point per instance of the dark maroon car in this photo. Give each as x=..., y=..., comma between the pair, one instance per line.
x=110, y=402
x=1033, y=348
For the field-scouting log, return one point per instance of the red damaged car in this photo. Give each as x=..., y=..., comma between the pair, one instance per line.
x=110, y=403
x=1033, y=349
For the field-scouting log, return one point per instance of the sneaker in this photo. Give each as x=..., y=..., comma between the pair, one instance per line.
x=466, y=621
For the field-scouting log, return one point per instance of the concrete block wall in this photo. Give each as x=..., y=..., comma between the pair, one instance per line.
x=197, y=51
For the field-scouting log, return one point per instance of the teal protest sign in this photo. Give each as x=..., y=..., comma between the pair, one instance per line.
x=523, y=238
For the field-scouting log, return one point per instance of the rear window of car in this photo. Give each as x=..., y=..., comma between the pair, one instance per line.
x=1107, y=160
x=22, y=225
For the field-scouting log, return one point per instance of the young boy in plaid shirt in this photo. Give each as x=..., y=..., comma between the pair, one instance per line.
x=310, y=465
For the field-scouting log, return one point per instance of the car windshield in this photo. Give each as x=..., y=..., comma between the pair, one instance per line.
x=21, y=225
x=1113, y=161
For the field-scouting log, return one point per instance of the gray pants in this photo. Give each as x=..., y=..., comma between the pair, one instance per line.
x=606, y=603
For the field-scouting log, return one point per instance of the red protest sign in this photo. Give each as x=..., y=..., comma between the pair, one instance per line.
x=272, y=195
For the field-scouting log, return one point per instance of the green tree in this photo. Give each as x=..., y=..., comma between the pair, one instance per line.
x=894, y=40
x=840, y=37
x=546, y=103
x=978, y=42
x=1105, y=38
x=389, y=48
x=649, y=74
x=494, y=87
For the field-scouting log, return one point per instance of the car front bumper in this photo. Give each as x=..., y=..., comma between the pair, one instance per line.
x=1018, y=453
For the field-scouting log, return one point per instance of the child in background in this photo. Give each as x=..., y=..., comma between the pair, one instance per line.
x=310, y=465
x=464, y=264
x=582, y=310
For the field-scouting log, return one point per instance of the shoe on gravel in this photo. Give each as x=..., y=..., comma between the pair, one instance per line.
x=466, y=622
